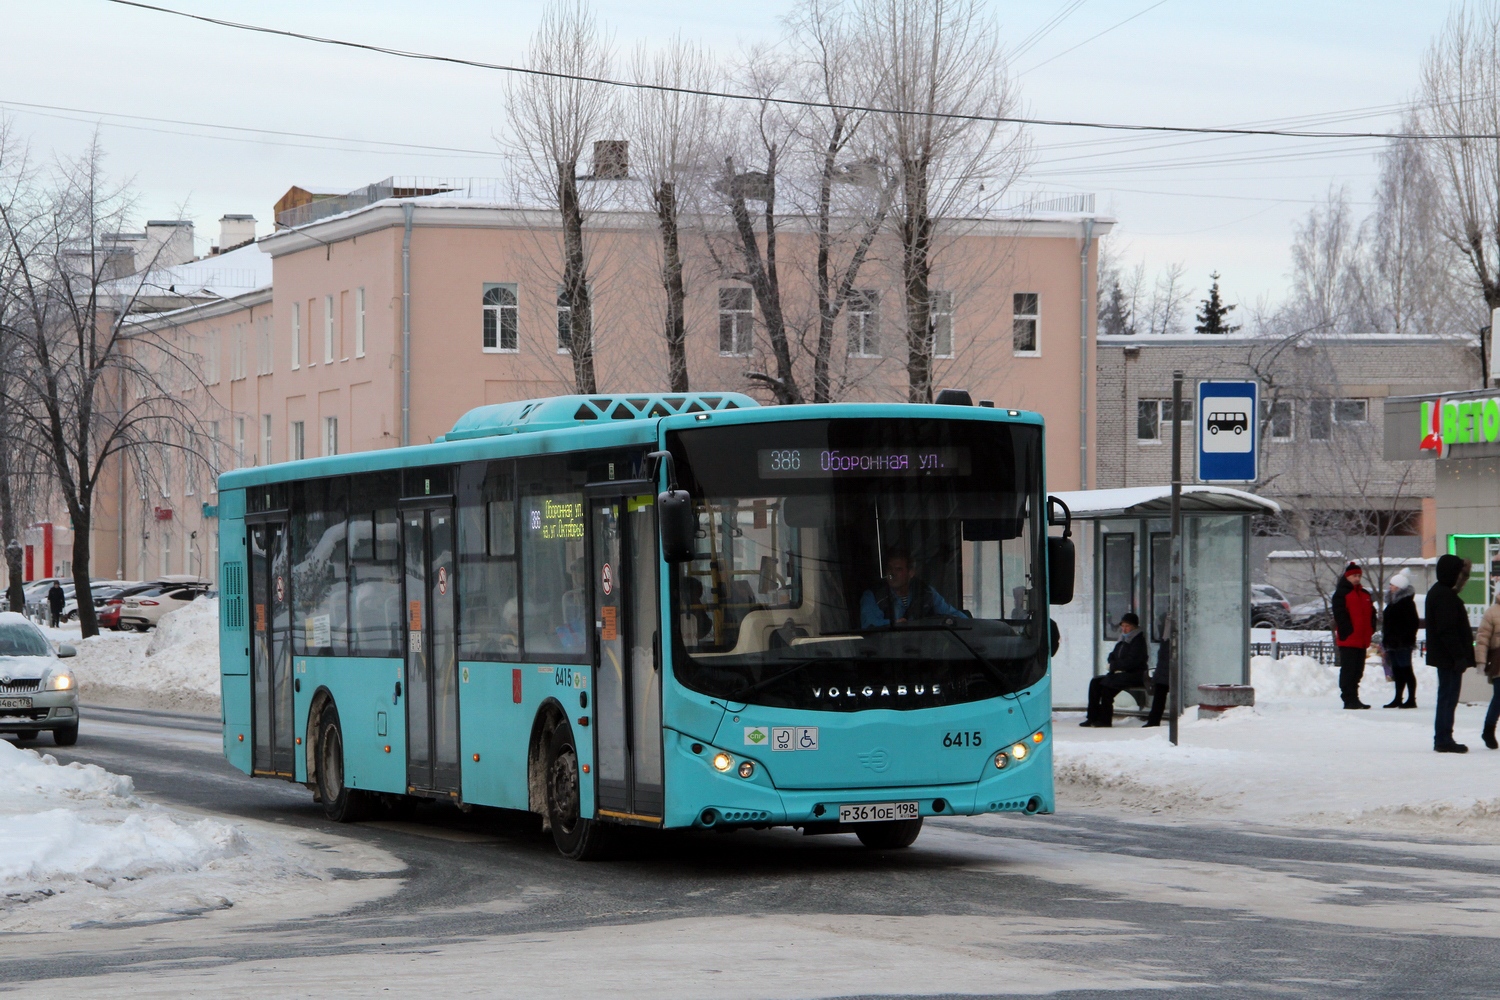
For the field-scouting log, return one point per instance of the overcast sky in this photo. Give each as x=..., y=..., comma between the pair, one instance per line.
x=1210, y=204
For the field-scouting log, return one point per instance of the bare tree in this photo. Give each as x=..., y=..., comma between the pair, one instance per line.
x=1169, y=297
x=1459, y=97
x=1327, y=260
x=930, y=63
x=86, y=390
x=670, y=130
x=555, y=118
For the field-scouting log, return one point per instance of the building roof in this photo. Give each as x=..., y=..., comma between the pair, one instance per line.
x=240, y=271
x=1153, y=501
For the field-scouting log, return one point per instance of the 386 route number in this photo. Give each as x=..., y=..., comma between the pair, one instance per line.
x=964, y=738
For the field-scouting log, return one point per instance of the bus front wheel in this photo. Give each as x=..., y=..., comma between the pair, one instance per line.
x=576, y=837
x=341, y=803
x=889, y=836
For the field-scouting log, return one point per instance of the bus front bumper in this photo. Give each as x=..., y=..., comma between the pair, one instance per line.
x=700, y=795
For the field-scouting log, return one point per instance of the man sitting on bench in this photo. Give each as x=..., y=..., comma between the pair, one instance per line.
x=1127, y=669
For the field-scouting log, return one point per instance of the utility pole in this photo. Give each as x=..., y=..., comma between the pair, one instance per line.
x=1176, y=637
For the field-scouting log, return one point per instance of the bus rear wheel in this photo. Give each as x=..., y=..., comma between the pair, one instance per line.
x=889, y=836
x=576, y=837
x=341, y=803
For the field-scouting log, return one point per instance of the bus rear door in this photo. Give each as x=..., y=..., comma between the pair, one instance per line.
x=271, y=650
x=627, y=665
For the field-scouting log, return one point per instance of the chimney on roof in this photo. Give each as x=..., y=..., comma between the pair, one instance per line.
x=235, y=231
x=611, y=159
x=169, y=242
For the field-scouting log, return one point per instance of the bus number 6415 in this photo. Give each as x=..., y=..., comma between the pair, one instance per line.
x=964, y=738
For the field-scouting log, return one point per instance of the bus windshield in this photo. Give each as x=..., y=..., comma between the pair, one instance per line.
x=850, y=564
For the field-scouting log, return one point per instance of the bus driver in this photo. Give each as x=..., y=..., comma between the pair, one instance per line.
x=901, y=597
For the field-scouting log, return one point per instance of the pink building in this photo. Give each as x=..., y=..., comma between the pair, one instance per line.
x=312, y=360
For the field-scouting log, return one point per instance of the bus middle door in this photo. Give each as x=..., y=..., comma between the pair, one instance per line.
x=627, y=670
x=427, y=538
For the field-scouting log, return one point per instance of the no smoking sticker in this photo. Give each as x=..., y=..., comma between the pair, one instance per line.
x=442, y=579
x=607, y=579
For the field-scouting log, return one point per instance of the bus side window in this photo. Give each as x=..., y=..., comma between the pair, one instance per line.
x=489, y=622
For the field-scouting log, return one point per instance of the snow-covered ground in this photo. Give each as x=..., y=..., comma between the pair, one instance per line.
x=1296, y=757
x=175, y=666
x=81, y=849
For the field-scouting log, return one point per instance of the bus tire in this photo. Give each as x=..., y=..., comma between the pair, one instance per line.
x=889, y=836
x=576, y=837
x=341, y=803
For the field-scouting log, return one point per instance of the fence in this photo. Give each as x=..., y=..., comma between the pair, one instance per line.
x=1325, y=653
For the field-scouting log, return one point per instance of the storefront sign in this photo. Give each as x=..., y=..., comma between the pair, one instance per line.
x=1447, y=422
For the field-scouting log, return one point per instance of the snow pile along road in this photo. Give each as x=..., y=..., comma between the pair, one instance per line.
x=174, y=667
x=1296, y=757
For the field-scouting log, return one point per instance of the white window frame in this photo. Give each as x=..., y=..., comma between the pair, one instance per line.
x=1364, y=405
x=296, y=336
x=1034, y=318
x=359, y=322
x=328, y=329
x=499, y=311
x=866, y=320
x=213, y=444
x=296, y=441
x=239, y=442
x=940, y=311
x=265, y=438
x=741, y=323
x=330, y=436
x=1291, y=415
x=213, y=361
x=1163, y=420
x=264, y=347
x=237, y=352
x=165, y=552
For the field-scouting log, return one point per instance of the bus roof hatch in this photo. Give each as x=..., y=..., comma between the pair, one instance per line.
x=560, y=412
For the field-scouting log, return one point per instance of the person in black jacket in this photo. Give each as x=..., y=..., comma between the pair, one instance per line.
x=1161, y=677
x=1450, y=646
x=1398, y=637
x=1127, y=669
x=56, y=598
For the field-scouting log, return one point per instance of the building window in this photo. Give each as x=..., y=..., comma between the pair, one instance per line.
x=213, y=456
x=237, y=352
x=359, y=322
x=166, y=552
x=330, y=435
x=940, y=315
x=864, y=323
x=328, y=329
x=1323, y=414
x=296, y=335
x=564, y=322
x=265, y=438
x=295, y=442
x=1351, y=411
x=1153, y=417
x=213, y=359
x=239, y=442
x=1023, y=324
x=736, y=321
x=263, y=349
x=501, y=322
x=166, y=467
x=1282, y=422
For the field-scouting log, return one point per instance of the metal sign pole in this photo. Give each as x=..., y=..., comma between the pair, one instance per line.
x=1175, y=640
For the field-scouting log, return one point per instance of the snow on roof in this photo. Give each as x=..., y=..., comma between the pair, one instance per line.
x=244, y=269
x=1304, y=554
x=1142, y=501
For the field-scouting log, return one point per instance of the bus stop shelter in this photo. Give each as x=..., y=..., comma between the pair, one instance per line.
x=1124, y=540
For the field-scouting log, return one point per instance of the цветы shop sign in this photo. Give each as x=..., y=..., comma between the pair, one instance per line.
x=1465, y=421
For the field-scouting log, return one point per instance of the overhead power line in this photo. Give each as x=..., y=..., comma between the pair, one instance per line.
x=791, y=101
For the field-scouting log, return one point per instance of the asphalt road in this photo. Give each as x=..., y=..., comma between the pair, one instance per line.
x=1119, y=905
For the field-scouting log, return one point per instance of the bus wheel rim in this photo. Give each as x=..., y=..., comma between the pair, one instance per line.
x=565, y=790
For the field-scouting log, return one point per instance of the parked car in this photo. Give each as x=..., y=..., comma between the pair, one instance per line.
x=109, y=612
x=37, y=691
x=36, y=594
x=1312, y=615
x=102, y=590
x=142, y=610
x=1269, y=607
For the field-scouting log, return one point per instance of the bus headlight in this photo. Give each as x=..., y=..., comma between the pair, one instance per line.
x=1001, y=760
x=746, y=769
x=1019, y=751
x=60, y=682
x=722, y=761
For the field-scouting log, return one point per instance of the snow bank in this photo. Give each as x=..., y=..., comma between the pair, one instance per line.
x=77, y=826
x=1297, y=757
x=174, y=667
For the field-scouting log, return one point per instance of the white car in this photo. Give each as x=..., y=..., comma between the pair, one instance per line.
x=37, y=692
x=143, y=610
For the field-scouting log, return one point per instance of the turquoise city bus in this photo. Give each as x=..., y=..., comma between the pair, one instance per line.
x=660, y=610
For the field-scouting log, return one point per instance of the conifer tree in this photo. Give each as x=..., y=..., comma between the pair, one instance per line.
x=1213, y=312
x=1116, y=318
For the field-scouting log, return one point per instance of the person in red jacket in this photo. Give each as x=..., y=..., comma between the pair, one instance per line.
x=1354, y=627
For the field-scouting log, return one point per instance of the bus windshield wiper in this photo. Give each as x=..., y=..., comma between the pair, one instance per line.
x=768, y=681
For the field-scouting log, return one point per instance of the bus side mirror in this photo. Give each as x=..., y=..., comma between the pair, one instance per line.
x=676, y=524
x=1060, y=570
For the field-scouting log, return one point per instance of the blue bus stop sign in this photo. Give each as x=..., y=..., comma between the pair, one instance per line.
x=1228, y=432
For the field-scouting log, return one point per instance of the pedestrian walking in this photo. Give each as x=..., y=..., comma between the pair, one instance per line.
x=1127, y=669
x=1487, y=650
x=1354, y=627
x=1450, y=646
x=1398, y=638
x=1161, y=677
x=55, y=601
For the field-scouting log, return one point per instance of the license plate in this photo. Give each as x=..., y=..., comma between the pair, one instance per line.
x=878, y=812
x=15, y=702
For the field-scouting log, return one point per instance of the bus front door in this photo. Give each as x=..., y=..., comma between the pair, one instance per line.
x=431, y=654
x=271, y=652
x=627, y=668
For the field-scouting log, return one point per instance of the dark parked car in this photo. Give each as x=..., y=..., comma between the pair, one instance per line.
x=1269, y=607
x=1313, y=615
